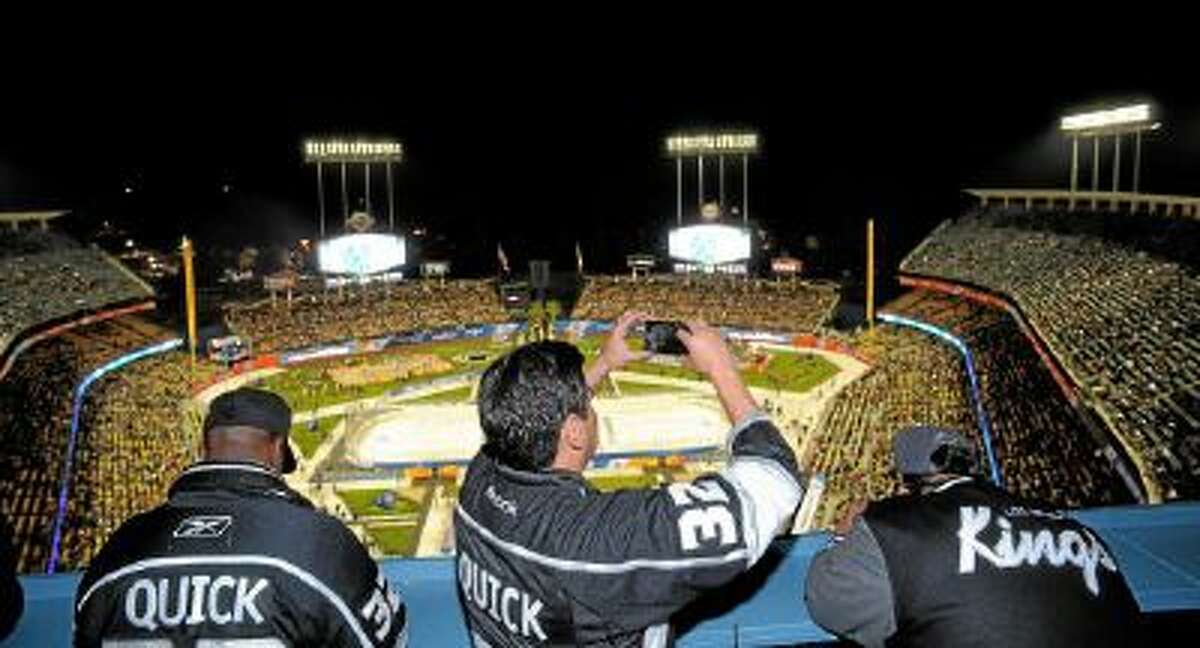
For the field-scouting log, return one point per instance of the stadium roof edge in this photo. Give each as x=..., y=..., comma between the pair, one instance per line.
x=1188, y=206
x=14, y=218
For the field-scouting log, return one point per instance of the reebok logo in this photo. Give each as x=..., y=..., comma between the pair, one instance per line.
x=203, y=526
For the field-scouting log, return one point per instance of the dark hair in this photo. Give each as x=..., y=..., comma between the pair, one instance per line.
x=525, y=396
x=948, y=459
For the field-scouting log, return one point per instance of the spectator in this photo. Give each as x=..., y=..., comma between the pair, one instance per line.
x=543, y=557
x=956, y=561
x=236, y=554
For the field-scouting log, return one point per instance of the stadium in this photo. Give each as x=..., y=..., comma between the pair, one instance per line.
x=1059, y=328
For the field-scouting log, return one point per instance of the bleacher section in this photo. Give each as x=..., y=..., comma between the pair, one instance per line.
x=914, y=379
x=45, y=276
x=747, y=303
x=36, y=398
x=1044, y=448
x=364, y=312
x=1116, y=297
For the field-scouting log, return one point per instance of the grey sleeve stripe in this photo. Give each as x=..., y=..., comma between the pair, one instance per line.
x=849, y=591
x=750, y=419
x=266, y=561
x=565, y=564
x=768, y=495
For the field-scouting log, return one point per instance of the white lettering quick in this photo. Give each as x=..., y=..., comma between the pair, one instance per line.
x=514, y=608
x=192, y=600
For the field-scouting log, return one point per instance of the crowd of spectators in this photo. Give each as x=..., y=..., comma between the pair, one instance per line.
x=133, y=443
x=35, y=419
x=364, y=312
x=914, y=379
x=791, y=306
x=1116, y=298
x=45, y=276
x=1042, y=444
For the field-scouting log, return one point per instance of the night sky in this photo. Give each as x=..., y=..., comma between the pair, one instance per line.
x=538, y=149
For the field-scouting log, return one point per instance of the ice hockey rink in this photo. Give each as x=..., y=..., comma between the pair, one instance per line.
x=450, y=433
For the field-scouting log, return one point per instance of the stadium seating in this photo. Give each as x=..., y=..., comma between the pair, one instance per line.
x=45, y=276
x=1116, y=297
x=117, y=472
x=362, y=313
x=914, y=380
x=747, y=303
x=1044, y=449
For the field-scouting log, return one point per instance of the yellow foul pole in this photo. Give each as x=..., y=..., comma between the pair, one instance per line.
x=189, y=291
x=871, y=273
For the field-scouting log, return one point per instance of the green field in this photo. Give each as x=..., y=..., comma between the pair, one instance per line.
x=309, y=441
x=787, y=371
x=362, y=503
x=796, y=372
x=455, y=349
x=395, y=539
x=634, y=388
x=458, y=395
x=608, y=483
x=307, y=386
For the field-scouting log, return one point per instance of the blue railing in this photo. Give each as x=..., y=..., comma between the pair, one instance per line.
x=1155, y=546
x=81, y=390
x=985, y=427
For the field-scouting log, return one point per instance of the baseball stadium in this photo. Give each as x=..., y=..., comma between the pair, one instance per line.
x=1059, y=329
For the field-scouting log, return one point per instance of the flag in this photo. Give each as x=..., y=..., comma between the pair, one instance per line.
x=578, y=257
x=502, y=258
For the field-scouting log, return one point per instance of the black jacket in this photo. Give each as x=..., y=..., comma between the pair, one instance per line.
x=235, y=554
x=543, y=558
x=12, y=599
x=971, y=565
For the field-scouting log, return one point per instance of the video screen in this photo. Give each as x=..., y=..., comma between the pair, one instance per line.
x=710, y=244
x=360, y=254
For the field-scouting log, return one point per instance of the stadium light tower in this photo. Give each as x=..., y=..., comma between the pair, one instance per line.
x=343, y=152
x=1125, y=120
x=720, y=145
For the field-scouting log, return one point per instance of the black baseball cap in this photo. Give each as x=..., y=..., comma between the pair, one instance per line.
x=254, y=408
x=924, y=450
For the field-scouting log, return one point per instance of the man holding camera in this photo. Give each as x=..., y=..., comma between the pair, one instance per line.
x=544, y=558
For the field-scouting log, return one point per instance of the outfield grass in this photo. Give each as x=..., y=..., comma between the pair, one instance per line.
x=796, y=372
x=307, y=387
x=787, y=371
x=361, y=502
x=395, y=539
x=608, y=483
x=459, y=395
x=634, y=388
x=454, y=350
x=309, y=441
